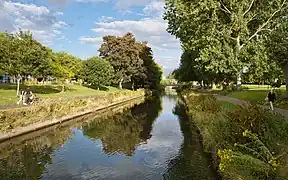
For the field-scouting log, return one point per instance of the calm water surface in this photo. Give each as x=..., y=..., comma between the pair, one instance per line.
x=151, y=141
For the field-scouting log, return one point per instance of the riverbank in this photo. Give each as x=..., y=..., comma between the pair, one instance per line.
x=44, y=92
x=246, y=142
x=15, y=122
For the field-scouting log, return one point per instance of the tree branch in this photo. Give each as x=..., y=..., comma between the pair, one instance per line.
x=225, y=8
x=265, y=23
x=249, y=8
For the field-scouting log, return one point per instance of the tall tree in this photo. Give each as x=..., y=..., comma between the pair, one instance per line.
x=123, y=54
x=153, y=72
x=21, y=55
x=98, y=72
x=277, y=46
x=225, y=30
x=70, y=62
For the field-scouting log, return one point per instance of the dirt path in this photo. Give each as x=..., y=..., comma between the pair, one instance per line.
x=283, y=112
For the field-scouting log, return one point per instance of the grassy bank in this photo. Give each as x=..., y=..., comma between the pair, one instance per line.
x=21, y=117
x=256, y=94
x=8, y=91
x=247, y=143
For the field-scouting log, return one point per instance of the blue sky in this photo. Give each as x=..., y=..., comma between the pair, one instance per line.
x=77, y=26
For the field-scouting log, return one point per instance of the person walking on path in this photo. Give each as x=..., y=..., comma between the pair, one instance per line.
x=271, y=97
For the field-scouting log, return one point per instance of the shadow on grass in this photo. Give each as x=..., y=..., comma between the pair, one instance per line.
x=40, y=89
x=101, y=88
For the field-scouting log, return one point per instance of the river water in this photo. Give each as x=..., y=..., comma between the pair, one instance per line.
x=152, y=140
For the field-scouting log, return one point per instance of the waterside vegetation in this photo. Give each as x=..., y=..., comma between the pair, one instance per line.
x=245, y=142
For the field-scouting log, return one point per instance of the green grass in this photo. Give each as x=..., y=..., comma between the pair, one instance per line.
x=8, y=92
x=227, y=105
x=257, y=94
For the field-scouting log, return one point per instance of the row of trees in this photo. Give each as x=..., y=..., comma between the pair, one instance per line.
x=122, y=60
x=225, y=38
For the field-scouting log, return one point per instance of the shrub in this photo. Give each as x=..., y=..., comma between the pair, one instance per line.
x=251, y=140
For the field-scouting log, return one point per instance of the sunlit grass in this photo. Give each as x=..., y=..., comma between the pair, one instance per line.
x=8, y=92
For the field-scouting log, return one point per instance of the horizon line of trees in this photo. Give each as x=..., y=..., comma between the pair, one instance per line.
x=122, y=60
x=229, y=40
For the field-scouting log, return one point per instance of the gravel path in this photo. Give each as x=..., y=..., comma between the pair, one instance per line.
x=283, y=112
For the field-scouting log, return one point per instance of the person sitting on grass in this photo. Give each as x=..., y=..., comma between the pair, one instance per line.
x=21, y=97
x=28, y=96
x=271, y=97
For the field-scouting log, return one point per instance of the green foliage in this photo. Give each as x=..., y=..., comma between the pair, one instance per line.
x=132, y=61
x=251, y=141
x=123, y=54
x=21, y=54
x=236, y=165
x=98, y=72
x=68, y=64
x=227, y=34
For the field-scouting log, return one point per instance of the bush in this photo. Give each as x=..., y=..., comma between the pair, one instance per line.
x=254, y=139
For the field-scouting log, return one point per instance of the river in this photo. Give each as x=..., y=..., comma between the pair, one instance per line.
x=153, y=140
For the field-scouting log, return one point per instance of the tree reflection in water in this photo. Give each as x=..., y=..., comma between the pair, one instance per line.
x=28, y=159
x=27, y=156
x=192, y=162
x=123, y=132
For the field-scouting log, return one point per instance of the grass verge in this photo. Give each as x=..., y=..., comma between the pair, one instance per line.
x=21, y=117
x=8, y=91
x=246, y=142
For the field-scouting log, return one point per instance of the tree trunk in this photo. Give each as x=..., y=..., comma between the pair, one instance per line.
x=18, y=86
x=239, y=74
x=239, y=81
x=120, y=83
x=286, y=78
x=63, y=87
x=133, y=85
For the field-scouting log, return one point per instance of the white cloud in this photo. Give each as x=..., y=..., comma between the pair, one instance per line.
x=106, y=18
x=91, y=40
x=155, y=8
x=152, y=28
x=37, y=19
x=58, y=13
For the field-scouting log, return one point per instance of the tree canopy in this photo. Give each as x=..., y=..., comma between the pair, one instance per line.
x=226, y=33
x=132, y=61
x=21, y=54
x=98, y=72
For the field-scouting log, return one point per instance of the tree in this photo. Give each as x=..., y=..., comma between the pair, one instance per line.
x=223, y=30
x=123, y=54
x=152, y=70
x=191, y=70
x=73, y=64
x=98, y=72
x=150, y=73
x=21, y=55
x=277, y=46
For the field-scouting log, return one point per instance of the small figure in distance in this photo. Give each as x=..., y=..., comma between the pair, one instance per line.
x=28, y=96
x=271, y=97
x=21, y=97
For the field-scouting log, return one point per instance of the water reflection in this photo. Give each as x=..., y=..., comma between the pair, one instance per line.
x=122, y=132
x=28, y=160
x=148, y=141
x=192, y=162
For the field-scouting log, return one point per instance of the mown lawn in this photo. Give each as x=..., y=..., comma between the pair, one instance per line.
x=257, y=94
x=8, y=92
